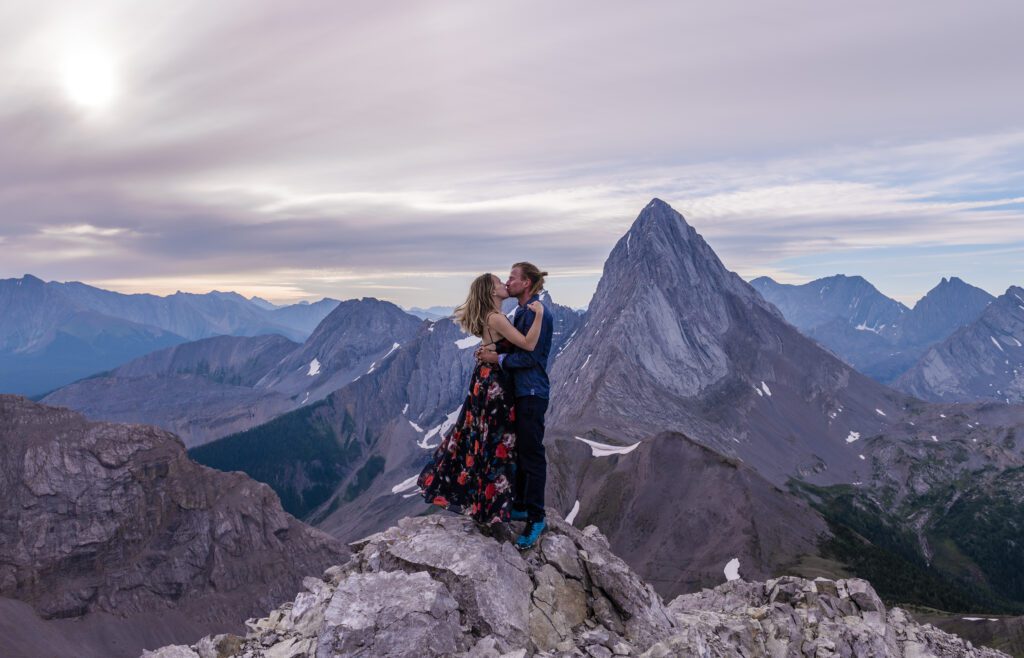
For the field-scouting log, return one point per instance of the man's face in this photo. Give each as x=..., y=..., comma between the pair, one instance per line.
x=517, y=283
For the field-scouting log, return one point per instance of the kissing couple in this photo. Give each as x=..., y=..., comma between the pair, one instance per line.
x=491, y=464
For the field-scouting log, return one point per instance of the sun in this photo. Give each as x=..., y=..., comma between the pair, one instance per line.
x=88, y=76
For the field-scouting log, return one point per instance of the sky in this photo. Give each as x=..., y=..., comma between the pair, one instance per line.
x=295, y=150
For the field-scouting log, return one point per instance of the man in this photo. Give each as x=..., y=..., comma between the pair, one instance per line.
x=529, y=371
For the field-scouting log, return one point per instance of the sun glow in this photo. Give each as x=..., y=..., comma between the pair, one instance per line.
x=89, y=77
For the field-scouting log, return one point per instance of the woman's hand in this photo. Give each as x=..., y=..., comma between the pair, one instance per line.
x=536, y=307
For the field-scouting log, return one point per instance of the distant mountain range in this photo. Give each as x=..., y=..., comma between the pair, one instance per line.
x=213, y=387
x=432, y=312
x=875, y=334
x=983, y=360
x=54, y=333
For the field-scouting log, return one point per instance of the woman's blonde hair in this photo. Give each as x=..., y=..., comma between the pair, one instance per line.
x=533, y=273
x=472, y=314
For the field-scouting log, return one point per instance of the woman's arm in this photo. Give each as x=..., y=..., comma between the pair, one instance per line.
x=500, y=325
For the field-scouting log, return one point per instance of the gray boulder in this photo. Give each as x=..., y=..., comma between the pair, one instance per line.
x=437, y=586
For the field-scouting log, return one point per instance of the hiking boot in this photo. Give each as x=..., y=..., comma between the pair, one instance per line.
x=518, y=515
x=531, y=533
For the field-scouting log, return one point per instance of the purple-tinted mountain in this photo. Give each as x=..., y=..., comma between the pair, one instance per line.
x=304, y=316
x=338, y=461
x=263, y=303
x=214, y=387
x=947, y=307
x=114, y=527
x=431, y=312
x=199, y=390
x=54, y=333
x=48, y=339
x=349, y=342
x=819, y=302
x=983, y=361
x=673, y=341
x=190, y=315
x=873, y=333
x=687, y=419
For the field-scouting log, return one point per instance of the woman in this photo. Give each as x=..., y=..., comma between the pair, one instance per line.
x=473, y=469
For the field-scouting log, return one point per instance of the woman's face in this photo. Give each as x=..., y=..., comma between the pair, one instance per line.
x=499, y=288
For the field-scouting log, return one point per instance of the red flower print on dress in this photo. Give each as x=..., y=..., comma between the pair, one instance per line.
x=470, y=471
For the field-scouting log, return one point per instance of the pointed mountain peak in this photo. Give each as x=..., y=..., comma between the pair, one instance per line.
x=657, y=211
x=953, y=288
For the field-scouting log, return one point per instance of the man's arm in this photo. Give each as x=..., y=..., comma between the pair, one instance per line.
x=519, y=359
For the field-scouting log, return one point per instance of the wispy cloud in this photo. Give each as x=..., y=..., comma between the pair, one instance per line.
x=334, y=147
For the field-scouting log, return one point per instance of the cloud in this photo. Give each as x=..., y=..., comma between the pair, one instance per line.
x=260, y=143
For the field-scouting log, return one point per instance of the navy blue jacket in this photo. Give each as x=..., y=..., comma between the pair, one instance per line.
x=529, y=369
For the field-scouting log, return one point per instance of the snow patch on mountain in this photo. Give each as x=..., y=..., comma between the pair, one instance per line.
x=573, y=512
x=405, y=485
x=604, y=449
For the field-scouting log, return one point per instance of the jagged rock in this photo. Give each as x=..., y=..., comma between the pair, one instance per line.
x=104, y=518
x=390, y=613
x=791, y=616
x=436, y=586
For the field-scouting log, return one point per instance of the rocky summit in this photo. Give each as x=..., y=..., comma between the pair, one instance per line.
x=437, y=586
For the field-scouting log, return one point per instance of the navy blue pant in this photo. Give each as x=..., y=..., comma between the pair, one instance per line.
x=531, y=464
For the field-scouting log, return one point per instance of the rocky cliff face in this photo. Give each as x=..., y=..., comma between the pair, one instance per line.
x=673, y=341
x=434, y=586
x=104, y=519
x=982, y=361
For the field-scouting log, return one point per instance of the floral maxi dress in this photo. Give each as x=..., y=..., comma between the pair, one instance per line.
x=472, y=470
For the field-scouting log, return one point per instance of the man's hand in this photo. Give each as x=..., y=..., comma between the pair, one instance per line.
x=486, y=355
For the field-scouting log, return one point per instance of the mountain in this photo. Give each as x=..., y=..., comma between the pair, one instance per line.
x=875, y=334
x=47, y=339
x=304, y=316
x=947, y=307
x=198, y=390
x=822, y=301
x=690, y=421
x=192, y=316
x=436, y=586
x=432, y=312
x=345, y=345
x=337, y=452
x=54, y=333
x=673, y=341
x=263, y=303
x=338, y=461
x=217, y=386
x=112, y=526
x=981, y=361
